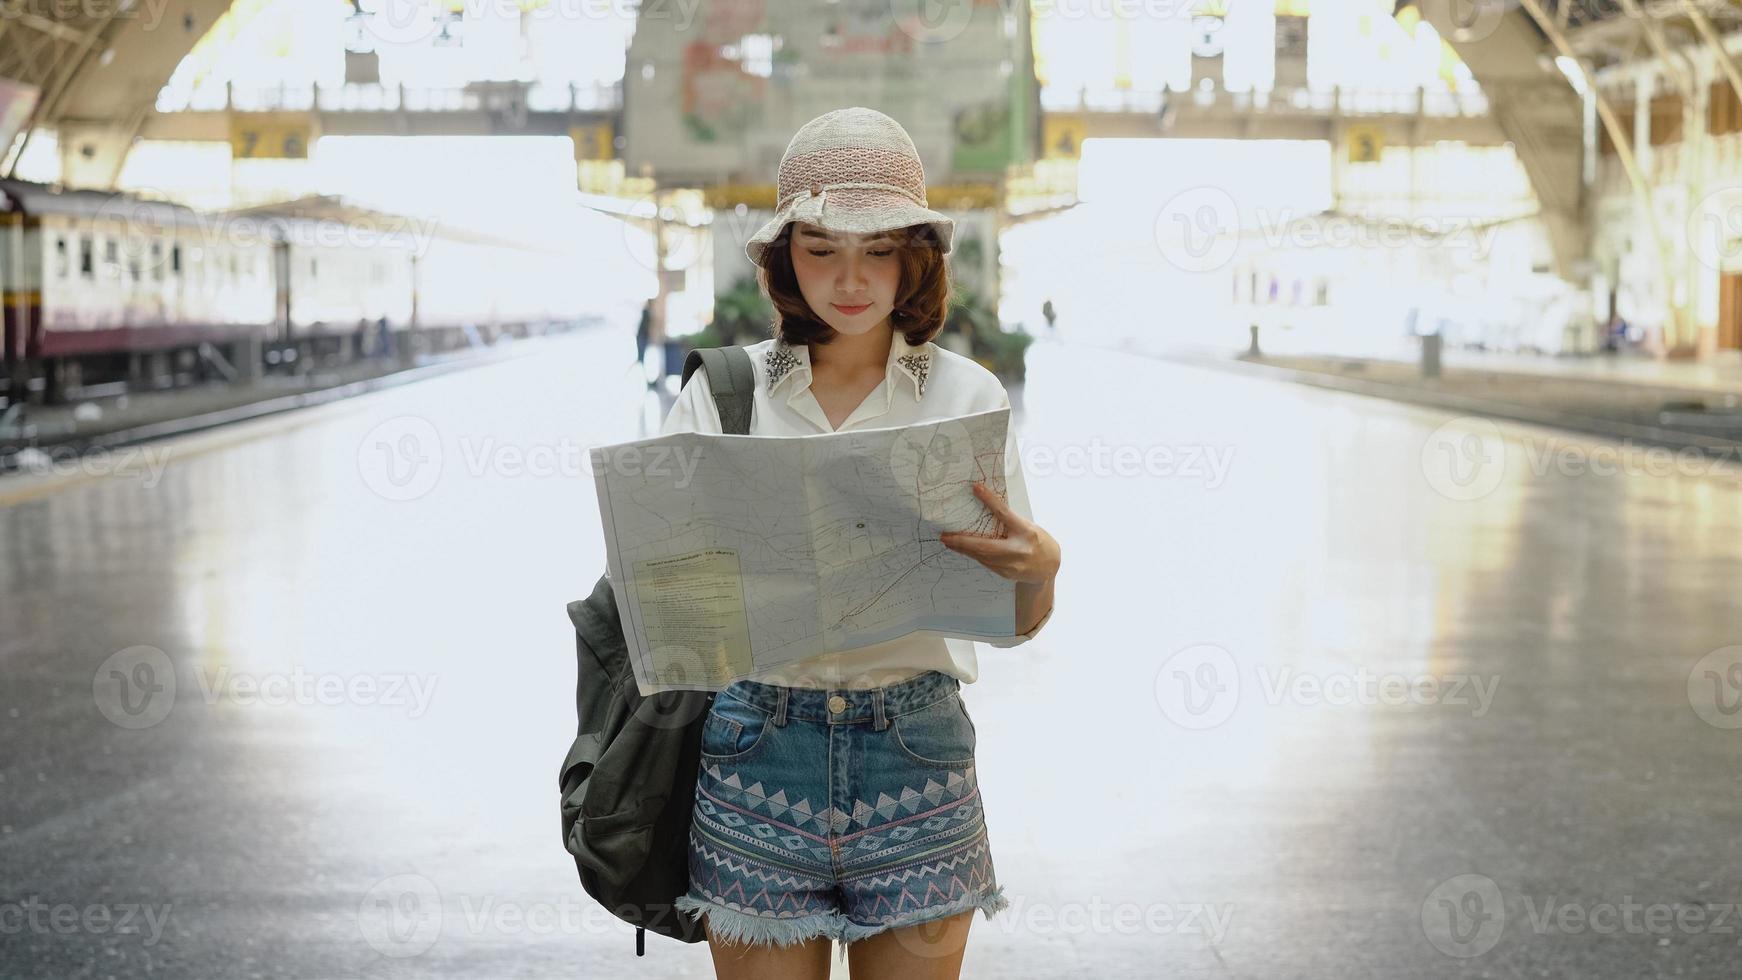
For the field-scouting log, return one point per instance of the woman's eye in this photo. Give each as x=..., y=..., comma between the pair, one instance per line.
x=820, y=255
x=884, y=253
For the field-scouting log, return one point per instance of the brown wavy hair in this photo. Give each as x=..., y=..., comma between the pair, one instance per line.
x=922, y=301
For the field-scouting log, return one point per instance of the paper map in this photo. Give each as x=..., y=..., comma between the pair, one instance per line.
x=729, y=554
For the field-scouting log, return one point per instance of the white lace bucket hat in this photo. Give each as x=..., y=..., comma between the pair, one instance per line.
x=853, y=171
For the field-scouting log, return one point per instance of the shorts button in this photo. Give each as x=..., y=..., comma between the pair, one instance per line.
x=837, y=704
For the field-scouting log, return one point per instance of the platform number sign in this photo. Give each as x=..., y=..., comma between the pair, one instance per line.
x=262, y=137
x=594, y=142
x=1366, y=143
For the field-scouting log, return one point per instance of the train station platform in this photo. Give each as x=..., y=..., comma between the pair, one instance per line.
x=294, y=708
x=1695, y=407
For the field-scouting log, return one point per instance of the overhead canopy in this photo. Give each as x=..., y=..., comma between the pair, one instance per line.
x=92, y=70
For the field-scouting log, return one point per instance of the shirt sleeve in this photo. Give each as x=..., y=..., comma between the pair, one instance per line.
x=694, y=410
x=1016, y=492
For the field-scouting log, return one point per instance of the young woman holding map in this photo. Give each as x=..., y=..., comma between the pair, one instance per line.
x=837, y=798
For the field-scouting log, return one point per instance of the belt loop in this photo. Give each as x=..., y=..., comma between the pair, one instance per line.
x=882, y=721
x=780, y=706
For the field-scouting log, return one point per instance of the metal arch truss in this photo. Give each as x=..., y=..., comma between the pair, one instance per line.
x=47, y=43
x=1609, y=31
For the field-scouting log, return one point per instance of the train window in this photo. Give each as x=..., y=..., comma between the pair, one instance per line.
x=175, y=259
x=62, y=261
x=86, y=267
x=157, y=261
x=313, y=267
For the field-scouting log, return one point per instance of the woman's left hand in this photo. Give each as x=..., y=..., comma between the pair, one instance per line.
x=1024, y=552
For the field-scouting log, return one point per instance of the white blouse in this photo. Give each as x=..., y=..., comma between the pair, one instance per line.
x=920, y=384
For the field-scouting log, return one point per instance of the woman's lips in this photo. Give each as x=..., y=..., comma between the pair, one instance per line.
x=851, y=310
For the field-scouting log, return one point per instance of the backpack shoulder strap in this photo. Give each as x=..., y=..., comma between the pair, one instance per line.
x=731, y=380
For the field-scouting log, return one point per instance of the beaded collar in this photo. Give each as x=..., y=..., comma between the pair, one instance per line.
x=781, y=358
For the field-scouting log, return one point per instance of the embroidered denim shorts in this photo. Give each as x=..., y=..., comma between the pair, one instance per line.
x=839, y=813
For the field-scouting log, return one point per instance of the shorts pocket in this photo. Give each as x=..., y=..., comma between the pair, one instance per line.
x=733, y=729
x=940, y=734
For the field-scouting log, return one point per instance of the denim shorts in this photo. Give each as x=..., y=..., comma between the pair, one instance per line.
x=839, y=813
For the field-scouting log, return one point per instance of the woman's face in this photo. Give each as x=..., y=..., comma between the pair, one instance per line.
x=849, y=280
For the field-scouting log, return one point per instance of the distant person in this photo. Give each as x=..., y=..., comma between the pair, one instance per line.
x=1617, y=334
x=642, y=334
x=1046, y=310
x=383, y=337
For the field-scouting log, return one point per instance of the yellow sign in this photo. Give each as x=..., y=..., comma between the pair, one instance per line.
x=596, y=142
x=1366, y=143
x=270, y=135
x=1062, y=136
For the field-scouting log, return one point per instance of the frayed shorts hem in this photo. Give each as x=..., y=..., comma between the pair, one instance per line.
x=736, y=925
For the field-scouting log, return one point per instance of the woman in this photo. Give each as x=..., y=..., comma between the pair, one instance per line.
x=837, y=797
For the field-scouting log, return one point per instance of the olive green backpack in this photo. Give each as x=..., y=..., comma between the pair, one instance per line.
x=628, y=782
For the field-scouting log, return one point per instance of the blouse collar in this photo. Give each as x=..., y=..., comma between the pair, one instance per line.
x=784, y=360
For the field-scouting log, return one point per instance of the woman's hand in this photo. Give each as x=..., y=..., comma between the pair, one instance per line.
x=1024, y=552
